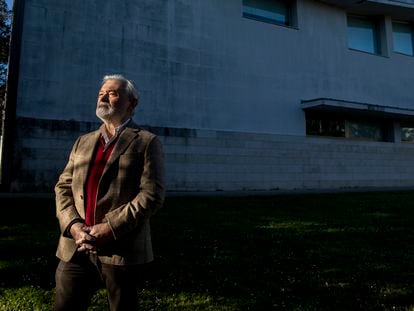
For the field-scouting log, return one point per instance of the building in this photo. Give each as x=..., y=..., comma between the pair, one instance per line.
x=245, y=94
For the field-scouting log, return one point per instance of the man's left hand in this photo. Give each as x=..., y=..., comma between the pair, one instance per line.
x=102, y=233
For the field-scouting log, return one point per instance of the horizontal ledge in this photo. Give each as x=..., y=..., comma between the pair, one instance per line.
x=336, y=105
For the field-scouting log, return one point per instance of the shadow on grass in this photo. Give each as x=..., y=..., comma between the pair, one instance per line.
x=288, y=252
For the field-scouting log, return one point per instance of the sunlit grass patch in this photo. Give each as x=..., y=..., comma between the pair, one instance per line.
x=292, y=225
x=155, y=300
x=379, y=214
x=395, y=291
x=25, y=298
x=99, y=301
x=301, y=227
x=10, y=263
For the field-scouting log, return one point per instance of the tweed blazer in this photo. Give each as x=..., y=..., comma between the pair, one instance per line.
x=130, y=190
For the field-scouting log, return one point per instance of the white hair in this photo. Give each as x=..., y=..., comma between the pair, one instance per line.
x=132, y=92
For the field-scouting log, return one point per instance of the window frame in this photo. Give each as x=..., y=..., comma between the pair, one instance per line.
x=411, y=26
x=376, y=29
x=290, y=15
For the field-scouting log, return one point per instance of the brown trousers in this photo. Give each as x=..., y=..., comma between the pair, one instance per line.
x=78, y=280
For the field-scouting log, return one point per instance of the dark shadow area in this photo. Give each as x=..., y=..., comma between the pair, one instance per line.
x=349, y=251
x=28, y=237
x=302, y=252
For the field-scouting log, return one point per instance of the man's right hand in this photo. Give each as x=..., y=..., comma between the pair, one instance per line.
x=84, y=241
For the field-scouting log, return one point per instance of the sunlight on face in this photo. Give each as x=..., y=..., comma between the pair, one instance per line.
x=112, y=103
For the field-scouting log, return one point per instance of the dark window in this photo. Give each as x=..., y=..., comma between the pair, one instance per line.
x=322, y=125
x=407, y=133
x=364, y=130
x=325, y=124
x=271, y=11
x=403, y=37
x=363, y=34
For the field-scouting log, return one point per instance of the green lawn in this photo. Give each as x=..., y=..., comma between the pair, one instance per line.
x=349, y=251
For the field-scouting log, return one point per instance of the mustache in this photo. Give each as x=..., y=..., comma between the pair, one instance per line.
x=103, y=104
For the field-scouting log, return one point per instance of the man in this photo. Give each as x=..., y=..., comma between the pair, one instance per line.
x=105, y=196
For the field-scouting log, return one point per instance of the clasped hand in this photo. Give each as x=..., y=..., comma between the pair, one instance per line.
x=88, y=238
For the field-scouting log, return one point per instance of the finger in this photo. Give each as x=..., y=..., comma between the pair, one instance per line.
x=87, y=240
x=86, y=228
x=86, y=247
x=81, y=249
x=80, y=241
x=94, y=231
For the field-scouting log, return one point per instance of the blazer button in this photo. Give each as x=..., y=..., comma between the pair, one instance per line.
x=81, y=197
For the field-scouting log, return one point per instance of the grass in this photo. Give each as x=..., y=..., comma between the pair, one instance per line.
x=348, y=251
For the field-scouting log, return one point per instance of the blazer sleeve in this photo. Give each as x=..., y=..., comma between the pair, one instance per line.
x=65, y=206
x=150, y=197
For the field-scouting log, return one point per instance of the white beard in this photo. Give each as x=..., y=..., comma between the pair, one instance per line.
x=104, y=111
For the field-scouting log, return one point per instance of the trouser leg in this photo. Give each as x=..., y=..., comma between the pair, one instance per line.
x=121, y=283
x=76, y=282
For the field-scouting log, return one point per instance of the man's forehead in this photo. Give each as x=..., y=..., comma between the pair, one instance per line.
x=112, y=85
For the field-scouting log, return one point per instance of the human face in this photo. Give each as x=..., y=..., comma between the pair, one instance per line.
x=113, y=104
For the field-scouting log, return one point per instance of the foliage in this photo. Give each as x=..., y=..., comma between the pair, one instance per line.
x=5, y=16
x=350, y=251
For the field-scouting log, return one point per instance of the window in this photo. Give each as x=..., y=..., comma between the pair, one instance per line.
x=403, y=37
x=271, y=11
x=407, y=133
x=364, y=130
x=363, y=34
x=325, y=124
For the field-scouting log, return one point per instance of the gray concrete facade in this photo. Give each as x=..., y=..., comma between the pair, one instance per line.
x=224, y=92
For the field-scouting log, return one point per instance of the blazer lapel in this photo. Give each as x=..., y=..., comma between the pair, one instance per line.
x=124, y=139
x=87, y=150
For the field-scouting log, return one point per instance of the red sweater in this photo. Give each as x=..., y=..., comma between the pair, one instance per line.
x=92, y=182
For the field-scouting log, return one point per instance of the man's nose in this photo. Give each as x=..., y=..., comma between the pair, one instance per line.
x=105, y=97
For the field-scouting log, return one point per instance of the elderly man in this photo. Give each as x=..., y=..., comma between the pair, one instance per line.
x=105, y=196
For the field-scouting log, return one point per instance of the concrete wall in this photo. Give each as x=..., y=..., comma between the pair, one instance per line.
x=236, y=84
x=199, y=64
x=212, y=160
